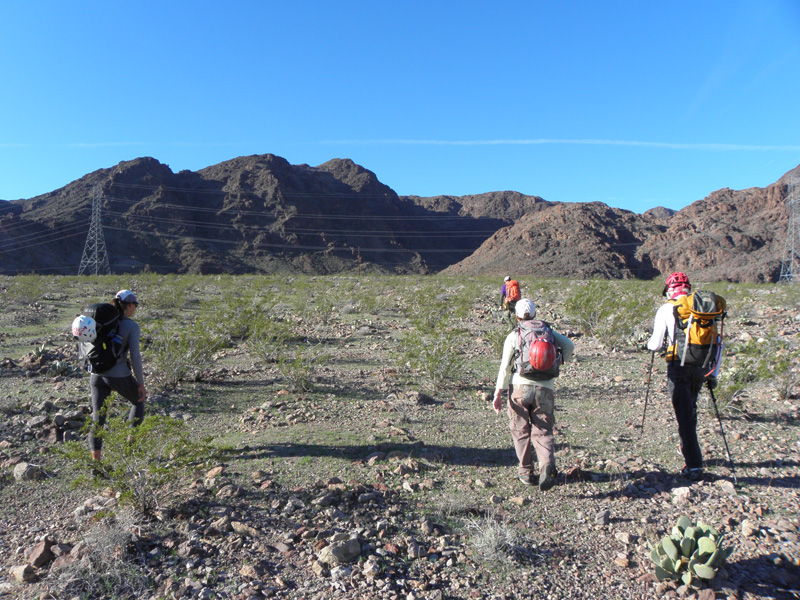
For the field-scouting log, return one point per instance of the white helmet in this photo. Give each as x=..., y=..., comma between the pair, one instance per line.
x=84, y=328
x=525, y=309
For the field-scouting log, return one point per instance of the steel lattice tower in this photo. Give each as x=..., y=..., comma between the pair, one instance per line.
x=790, y=266
x=95, y=257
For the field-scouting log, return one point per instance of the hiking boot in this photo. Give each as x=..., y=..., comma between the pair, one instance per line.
x=527, y=479
x=547, y=478
x=98, y=473
x=693, y=474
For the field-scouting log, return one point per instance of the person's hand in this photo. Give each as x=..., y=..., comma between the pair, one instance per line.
x=497, y=403
x=712, y=382
x=142, y=393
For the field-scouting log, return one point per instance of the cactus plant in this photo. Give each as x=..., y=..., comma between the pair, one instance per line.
x=690, y=551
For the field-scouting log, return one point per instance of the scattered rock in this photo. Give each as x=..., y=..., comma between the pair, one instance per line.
x=28, y=472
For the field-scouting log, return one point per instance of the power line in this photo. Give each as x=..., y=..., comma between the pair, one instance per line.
x=13, y=244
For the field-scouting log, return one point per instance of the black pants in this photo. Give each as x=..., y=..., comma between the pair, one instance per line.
x=127, y=387
x=685, y=384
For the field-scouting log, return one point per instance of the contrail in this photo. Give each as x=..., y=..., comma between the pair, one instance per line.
x=575, y=142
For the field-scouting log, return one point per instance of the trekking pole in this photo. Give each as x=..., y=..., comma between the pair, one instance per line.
x=722, y=430
x=647, y=394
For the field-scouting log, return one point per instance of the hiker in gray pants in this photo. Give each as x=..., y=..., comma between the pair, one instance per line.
x=531, y=405
x=119, y=378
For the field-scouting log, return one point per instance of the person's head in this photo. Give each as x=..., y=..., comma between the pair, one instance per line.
x=677, y=284
x=525, y=309
x=126, y=302
x=507, y=279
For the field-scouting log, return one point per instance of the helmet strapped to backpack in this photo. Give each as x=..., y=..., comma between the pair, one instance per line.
x=536, y=355
x=84, y=328
x=542, y=355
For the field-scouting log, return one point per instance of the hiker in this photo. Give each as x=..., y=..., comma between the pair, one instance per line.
x=509, y=295
x=686, y=372
x=531, y=403
x=119, y=377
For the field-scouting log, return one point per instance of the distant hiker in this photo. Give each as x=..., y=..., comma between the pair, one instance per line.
x=509, y=296
x=118, y=378
x=692, y=354
x=533, y=352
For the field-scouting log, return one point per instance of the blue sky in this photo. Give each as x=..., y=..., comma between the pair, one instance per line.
x=635, y=104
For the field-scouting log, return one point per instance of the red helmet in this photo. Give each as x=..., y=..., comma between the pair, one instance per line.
x=542, y=355
x=677, y=279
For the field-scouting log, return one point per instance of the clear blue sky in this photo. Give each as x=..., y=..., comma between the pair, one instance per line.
x=635, y=104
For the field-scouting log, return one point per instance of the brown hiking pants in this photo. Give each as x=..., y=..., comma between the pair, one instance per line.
x=531, y=415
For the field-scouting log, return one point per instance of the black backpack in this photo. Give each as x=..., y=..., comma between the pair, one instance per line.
x=102, y=354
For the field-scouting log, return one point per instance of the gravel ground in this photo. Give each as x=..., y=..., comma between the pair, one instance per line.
x=364, y=487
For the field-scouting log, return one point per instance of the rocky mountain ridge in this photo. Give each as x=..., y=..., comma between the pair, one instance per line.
x=261, y=214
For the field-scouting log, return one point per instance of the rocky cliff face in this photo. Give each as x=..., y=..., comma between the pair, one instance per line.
x=261, y=214
x=730, y=235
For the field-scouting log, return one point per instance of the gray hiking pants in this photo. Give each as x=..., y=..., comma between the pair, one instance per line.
x=531, y=420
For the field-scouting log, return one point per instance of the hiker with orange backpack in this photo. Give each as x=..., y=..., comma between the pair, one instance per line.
x=532, y=355
x=510, y=294
x=692, y=326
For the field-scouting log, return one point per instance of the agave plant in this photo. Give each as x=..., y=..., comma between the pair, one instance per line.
x=690, y=551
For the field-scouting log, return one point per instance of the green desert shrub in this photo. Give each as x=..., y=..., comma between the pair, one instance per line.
x=766, y=359
x=299, y=365
x=186, y=353
x=619, y=313
x=436, y=354
x=147, y=464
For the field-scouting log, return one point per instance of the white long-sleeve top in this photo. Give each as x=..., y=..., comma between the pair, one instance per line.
x=664, y=323
x=504, y=376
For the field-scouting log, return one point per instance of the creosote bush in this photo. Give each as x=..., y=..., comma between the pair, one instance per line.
x=619, y=313
x=147, y=464
x=436, y=355
x=299, y=366
x=186, y=353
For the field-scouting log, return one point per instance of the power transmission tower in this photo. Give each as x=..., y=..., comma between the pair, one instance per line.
x=95, y=257
x=790, y=266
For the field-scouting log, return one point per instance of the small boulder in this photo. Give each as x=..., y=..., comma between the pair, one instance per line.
x=340, y=552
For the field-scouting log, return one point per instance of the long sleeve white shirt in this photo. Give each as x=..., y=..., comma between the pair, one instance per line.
x=664, y=324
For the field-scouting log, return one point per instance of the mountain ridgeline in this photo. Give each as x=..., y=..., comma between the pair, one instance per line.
x=260, y=214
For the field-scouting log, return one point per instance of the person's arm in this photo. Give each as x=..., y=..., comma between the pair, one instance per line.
x=504, y=374
x=566, y=345
x=136, y=359
x=661, y=326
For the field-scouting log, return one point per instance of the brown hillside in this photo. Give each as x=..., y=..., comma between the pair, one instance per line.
x=567, y=240
x=730, y=235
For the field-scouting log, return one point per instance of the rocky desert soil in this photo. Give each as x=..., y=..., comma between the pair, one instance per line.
x=369, y=484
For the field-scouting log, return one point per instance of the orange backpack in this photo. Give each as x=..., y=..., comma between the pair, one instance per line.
x=512, y=291
x=698, y=329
